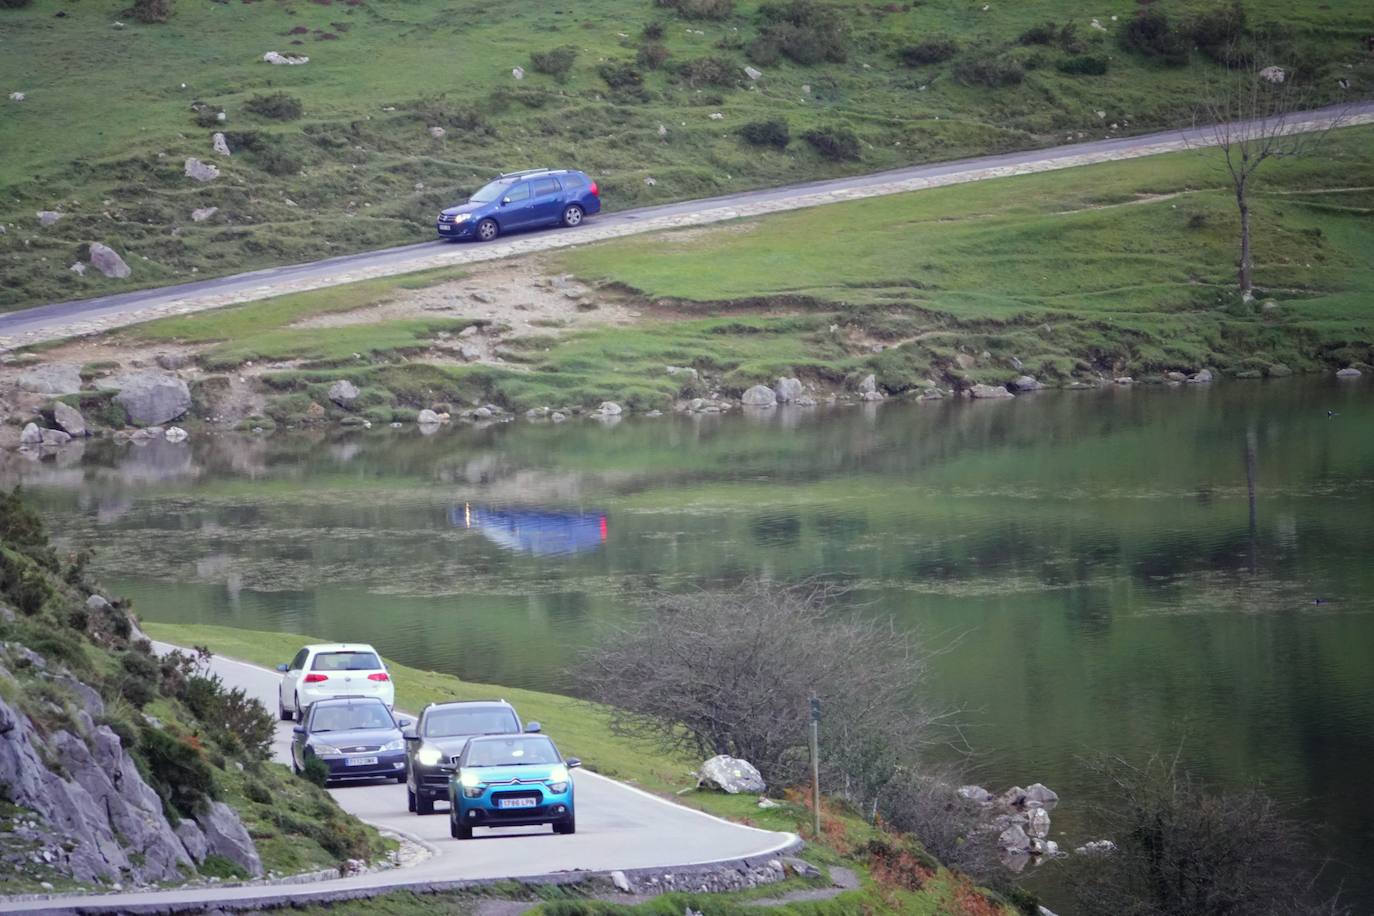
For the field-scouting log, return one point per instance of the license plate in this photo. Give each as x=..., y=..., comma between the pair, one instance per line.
x=445, y=228
x=361, y=762
x=516, y=803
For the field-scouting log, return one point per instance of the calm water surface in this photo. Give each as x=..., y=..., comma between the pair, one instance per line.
x=1120, y=571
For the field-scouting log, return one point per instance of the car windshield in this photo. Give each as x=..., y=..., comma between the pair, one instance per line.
x=490, y=192
x=510, y=752
x=346, y=661
x=445, y=723
x=354, y=715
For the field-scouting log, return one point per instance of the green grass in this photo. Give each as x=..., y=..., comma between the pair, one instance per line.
x=583, y=730
x=360, y=170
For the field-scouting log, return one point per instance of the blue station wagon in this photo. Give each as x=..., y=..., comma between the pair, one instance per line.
x=522, y=200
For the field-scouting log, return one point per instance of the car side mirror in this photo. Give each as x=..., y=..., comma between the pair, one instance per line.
x=572, y=763
x=283, y=668
x=408, y=732
x=404, y=723
x=532, y=728
x=505, y=201
x=299, y=729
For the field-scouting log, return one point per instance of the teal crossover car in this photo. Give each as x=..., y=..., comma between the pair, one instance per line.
x=511, y=781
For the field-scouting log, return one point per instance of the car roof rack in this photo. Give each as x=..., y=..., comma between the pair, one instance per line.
x=523, y=172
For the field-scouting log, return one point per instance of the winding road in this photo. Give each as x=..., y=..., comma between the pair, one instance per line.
x=619, y=827
x=68, y=319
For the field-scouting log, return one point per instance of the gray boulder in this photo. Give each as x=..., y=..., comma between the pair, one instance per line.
x=343, y=393
x=867, y=384
x=53, y=378
x=1348, y=372
x=151, y=398
x=689, y=375
x=201, y=171
x=609, y=409
x=105, y=260
x=1026, y=383
x=201, y=214
x=990, y=392
x=482, y=413
x=788, y=390
x=55, y=437
x=976, y=794
x=1201, y=378
x=225, y=836
x=69, y=418
x=31, y=435
x=1042, y=796
x=1038, y=823
x=171, y=361
x=468, y=353
x=193, y=840
x=759, y=396
x=932, y=394
x=1176, y=376
x=1014, y=839
x=752, y=73
x=427, y=417
x=731, y=775
x=219, y=144
x=48, y=217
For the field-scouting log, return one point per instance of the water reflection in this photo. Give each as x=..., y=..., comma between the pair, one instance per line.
x=543, y=533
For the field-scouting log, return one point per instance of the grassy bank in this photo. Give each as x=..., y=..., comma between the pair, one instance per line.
x=1103, y=271
x=584, y=731
x=349, y=161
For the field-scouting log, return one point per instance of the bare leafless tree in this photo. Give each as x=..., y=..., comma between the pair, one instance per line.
x=1184, y=850
x=1259, y=110
x=732, y=672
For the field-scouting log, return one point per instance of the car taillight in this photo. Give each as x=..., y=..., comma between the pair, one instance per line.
x=315, y=678
x=379, y=676
x=596, y=192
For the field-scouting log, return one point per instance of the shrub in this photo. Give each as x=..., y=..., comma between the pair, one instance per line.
x=14, y=4
x=652, y=55
x=138, y=678
x=1150, y=33
x=805, y=31
x=1083, y=65
x=701, y=9
x=278, y=106
x=708, y=71
x=1218, y=31
x=176, y=769
x=773, y=132
x=653, y=31
x=838, y=143
x=557, y=62
x=1065, y=37
x=621, y=75
x=151, y=11
x=315, y=771
x=990, y=71
x=933, y=50
x=207, y=117
x=238, y=722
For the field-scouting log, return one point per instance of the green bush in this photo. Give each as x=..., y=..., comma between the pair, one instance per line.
x=277, y=106
x=933, y=50
x=653, y=31
x=239, y=723
x=838, y=143
x=557, y=62
x=138, y=678
x=701, y=9
x=708, y=71
x=652, y=55
x=1152, y=34
x=773, y=132
x=14, y=4
x=315, y=771
x=621, y=75
x=803, y=30
x=151, y=11
x=1219, y=32
x=1083, y=65
x=990, y=71
x=176, y=769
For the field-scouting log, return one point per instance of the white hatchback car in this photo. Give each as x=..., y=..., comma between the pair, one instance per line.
x=332, y=670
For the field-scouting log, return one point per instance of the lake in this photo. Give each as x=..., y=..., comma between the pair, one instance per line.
x=1125, y=570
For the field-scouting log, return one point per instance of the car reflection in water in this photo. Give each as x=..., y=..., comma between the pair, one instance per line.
x=540, y=532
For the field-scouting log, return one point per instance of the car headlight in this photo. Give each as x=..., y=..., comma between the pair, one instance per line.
x=558, y=788
x=473, y=791
x=470, y=780
x=427, y=756
x=461, y=217
x=325, y=749
x=394, y=745
x=558, y=774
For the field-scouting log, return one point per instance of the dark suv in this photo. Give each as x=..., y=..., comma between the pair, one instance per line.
x=436, y=740
x=522, y=200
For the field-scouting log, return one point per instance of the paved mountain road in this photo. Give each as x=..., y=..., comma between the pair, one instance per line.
x=618, y=827
x=68, y=319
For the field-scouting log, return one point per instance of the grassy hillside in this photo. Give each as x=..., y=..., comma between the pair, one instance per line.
x=106, y=124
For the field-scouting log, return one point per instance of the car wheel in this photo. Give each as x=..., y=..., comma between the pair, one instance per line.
x=424, y=805
x=487, y=230
x=457, y=831
x=410, y=800
x=300, y=713
x=567, y=826
x=572, y=216
x=283, y=713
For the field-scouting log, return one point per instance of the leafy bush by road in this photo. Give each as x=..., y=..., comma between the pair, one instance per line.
x=834, y=142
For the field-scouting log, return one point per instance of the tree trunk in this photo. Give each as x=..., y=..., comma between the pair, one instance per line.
x=1243, y=273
